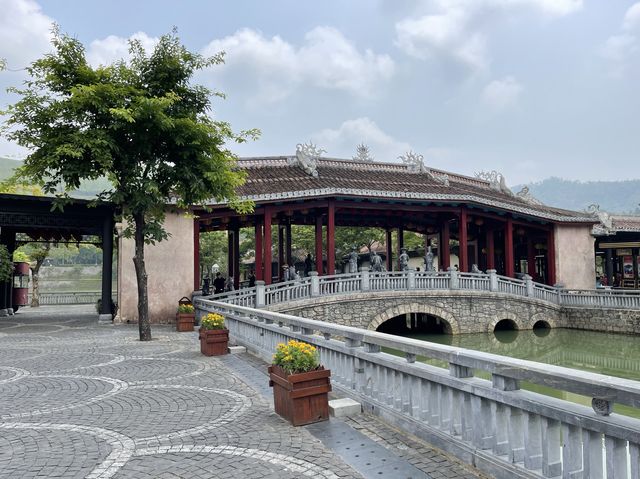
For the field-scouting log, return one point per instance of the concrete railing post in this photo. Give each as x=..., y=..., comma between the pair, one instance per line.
x=528, y=282
x=315, y=283
x=364, y=283
x=454, y=279
x=493, y=280
x=411, y=279
x=260, y=294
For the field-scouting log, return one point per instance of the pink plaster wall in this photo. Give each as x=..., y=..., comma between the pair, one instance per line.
x=575, y=263
x=169, y=267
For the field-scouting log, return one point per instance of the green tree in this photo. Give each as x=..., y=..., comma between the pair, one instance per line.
x=37, y=253
x=139, y=123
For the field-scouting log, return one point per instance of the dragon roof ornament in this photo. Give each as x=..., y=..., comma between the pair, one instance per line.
x=496, y=181
x=306, y=158
x=525, y=195
x=415, y=164
x=363, y=154
x=606, y=221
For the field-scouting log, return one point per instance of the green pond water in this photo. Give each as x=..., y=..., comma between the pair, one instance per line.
x=604, y=353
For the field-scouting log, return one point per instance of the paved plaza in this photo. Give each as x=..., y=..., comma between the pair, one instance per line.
x=82, y=400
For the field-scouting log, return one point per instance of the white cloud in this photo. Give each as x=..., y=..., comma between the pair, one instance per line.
x=632, y=17
x=502, y=94
x=114, y=48
x=326, y=60
x=457, y=30
x=25, y=32
x=342, y=141
x=620, y=48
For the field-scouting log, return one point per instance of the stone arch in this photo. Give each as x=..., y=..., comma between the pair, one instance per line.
x=542, y=317
x=491, y=325
x=415, y=308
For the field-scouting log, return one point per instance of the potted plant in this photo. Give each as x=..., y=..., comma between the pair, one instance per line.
x=300, y=385
x=186, y=315
x=214, y=337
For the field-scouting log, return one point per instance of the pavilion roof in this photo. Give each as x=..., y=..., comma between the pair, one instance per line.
x=612, y=223
x=281, y=178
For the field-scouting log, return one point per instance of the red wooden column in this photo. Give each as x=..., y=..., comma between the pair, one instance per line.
x=443, y=249
x=267, y=245
x=280, y=251
x=531, y=258
x=331, y=238
x=508, y=249
x=389, y=251
x=319, y=267
x=551, y=256
x=400, y=244
x=259, y=249
x=491, y=253
x=196, y=254
x=288, y=242
x=463, y=249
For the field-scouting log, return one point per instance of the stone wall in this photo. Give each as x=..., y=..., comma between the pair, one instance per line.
x=464, y=311
x=625, y=321
x=575, y=263
x=169, y=267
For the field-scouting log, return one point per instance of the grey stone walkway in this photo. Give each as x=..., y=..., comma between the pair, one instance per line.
x=82, y=400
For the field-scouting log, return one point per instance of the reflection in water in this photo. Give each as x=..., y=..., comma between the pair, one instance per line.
x=604, y=353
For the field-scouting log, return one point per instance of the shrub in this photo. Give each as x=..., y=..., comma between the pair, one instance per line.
x=20, y=257
x=296, y=357
x=212, y=321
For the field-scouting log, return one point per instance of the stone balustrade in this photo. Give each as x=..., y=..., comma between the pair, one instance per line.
x=487, y=421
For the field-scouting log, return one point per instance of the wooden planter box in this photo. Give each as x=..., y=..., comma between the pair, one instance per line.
x=185, y=321
x=301, y=398
x=214, y=342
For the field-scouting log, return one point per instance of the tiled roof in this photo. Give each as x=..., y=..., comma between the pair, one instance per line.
x=275, y=178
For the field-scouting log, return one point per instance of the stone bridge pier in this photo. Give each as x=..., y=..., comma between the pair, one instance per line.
x=461, y=311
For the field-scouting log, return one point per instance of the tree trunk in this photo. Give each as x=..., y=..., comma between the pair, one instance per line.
x=141, y=276
x=35, y=277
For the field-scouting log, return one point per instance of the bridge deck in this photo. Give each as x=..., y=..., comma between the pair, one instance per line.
x=78, y=400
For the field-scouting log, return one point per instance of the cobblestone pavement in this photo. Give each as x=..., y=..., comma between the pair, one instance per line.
x=82, y=400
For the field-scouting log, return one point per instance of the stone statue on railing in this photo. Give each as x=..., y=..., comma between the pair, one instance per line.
x=404, y=260
x=428, y=261
x=353, y=261
x=285, y=273
x=292, y=273
x=376, y=262
x=475, y=269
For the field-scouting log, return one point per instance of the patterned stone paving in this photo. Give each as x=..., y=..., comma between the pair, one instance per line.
x=82, y=400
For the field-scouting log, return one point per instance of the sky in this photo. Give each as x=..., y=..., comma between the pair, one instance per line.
x=530, y=88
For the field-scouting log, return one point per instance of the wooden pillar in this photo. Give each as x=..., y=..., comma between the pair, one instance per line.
x=196, y=254
x=531, y=259
x=331, y=238
x=389, y=250
x=551, y=256
x=267, y=245
x=444, y=251
x=508, y=249
x=608, y=267
x=400, y=244
x=463, y=249
x=288, y=243
x=491, y=253
x=236, y=257
x=259, y=248
x=280, y=251
x=230, y=257
x=319, y=266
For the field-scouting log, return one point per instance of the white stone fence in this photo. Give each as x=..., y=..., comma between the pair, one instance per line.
x=487, y=421
x=363, y=281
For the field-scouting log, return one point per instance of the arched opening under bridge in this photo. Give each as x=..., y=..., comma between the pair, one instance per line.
x=415, y=323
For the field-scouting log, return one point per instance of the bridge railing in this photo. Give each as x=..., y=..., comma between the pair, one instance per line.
x=524, y=433
x=67, y=297
x=411, y=280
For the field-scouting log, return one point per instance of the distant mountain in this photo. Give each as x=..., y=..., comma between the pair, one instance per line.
x=88, y=189
x=612, y=196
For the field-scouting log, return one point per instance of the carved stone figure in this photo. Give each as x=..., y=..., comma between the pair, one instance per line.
x=414, y=161
x=428, y=260
x=496, y=181
x=525, y=195
x=285, y=273
x=292, y=273
x=353, y=261
x=376, y=262
x=404, y=260
x=475, y=269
